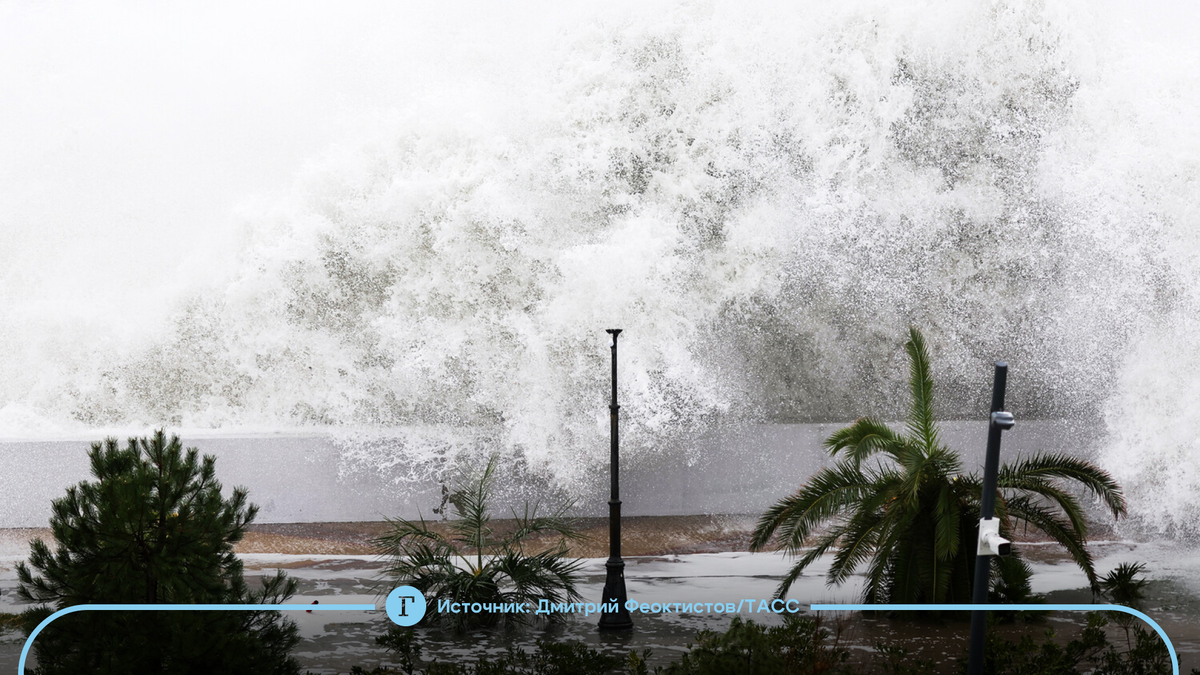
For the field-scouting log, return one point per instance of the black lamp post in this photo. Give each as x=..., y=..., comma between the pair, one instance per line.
x=614, y=580
x=990, y=543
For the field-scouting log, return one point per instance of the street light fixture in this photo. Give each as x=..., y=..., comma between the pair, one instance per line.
x=990, y=543
x=614, y=580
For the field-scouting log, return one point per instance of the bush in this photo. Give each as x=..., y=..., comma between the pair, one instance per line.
x=1090, y=653
x=473, y=565
x=547, y=659
x=152, y=528
x=10, y=622
x=801, y=646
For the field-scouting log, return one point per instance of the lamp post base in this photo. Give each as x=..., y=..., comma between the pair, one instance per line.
x=614, y=591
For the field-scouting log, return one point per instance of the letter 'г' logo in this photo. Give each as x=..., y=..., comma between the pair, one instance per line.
x=405, y=606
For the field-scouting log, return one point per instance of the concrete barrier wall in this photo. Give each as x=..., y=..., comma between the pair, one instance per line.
x=302, y=478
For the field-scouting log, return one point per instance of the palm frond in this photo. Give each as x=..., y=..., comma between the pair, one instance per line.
x=1066, y=502
x=529, y=524
x=874, y=590
x=860, y=538
x=405, y=534
x=826, y=541
x=922, y=468
x=461, y=587
x=921, y=425
x=1023, y=508
x=788, y=579
x=1060, y=465
x=947, y=462
x=546, y=576
x=863, y=438
x=940, y=578
x=946, y=532
x=472, y=528
x=829, y=492
x=423, y=566
x=905, y=582
x=841, y=533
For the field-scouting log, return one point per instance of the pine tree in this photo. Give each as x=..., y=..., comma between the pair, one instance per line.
x=152, y=528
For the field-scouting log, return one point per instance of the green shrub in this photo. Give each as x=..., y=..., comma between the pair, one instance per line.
x=1147, y=656
x=10, y=622
x=1090, y=653
x=475, y=565
x=895, y=660
x=547, y=659
x=152, y=528
x=801, y=646
x=1124, y=586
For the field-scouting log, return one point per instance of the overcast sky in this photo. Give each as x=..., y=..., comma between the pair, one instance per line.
x=140, y=128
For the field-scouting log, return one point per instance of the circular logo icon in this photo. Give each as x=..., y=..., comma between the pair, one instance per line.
x=405, y=606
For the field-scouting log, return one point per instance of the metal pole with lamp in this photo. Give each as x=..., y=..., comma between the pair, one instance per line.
x=614, y=580
x=990, y=543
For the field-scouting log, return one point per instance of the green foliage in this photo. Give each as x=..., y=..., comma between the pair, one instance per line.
x=894, y=660
x=403, y=644
x=1090, y=653
x=638, y=664
x=474, y=564
x=9, y=622
x=1010, y=583
x=1147, y=656
x=900, y=504
x=1122, y=585
x=547, y=659
x=801, y=646
x=152, y=528
x=1029, y=657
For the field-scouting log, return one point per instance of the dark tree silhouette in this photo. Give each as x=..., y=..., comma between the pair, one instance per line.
x=152, y=528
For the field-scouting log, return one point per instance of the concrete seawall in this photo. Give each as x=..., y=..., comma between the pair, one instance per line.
x=302, y=478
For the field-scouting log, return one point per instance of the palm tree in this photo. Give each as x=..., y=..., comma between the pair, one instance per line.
x=1124, y=586
x=473, y=565
x=900, y=503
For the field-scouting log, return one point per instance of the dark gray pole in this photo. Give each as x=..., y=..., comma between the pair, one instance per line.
x=614, y=580
x=987, y=509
